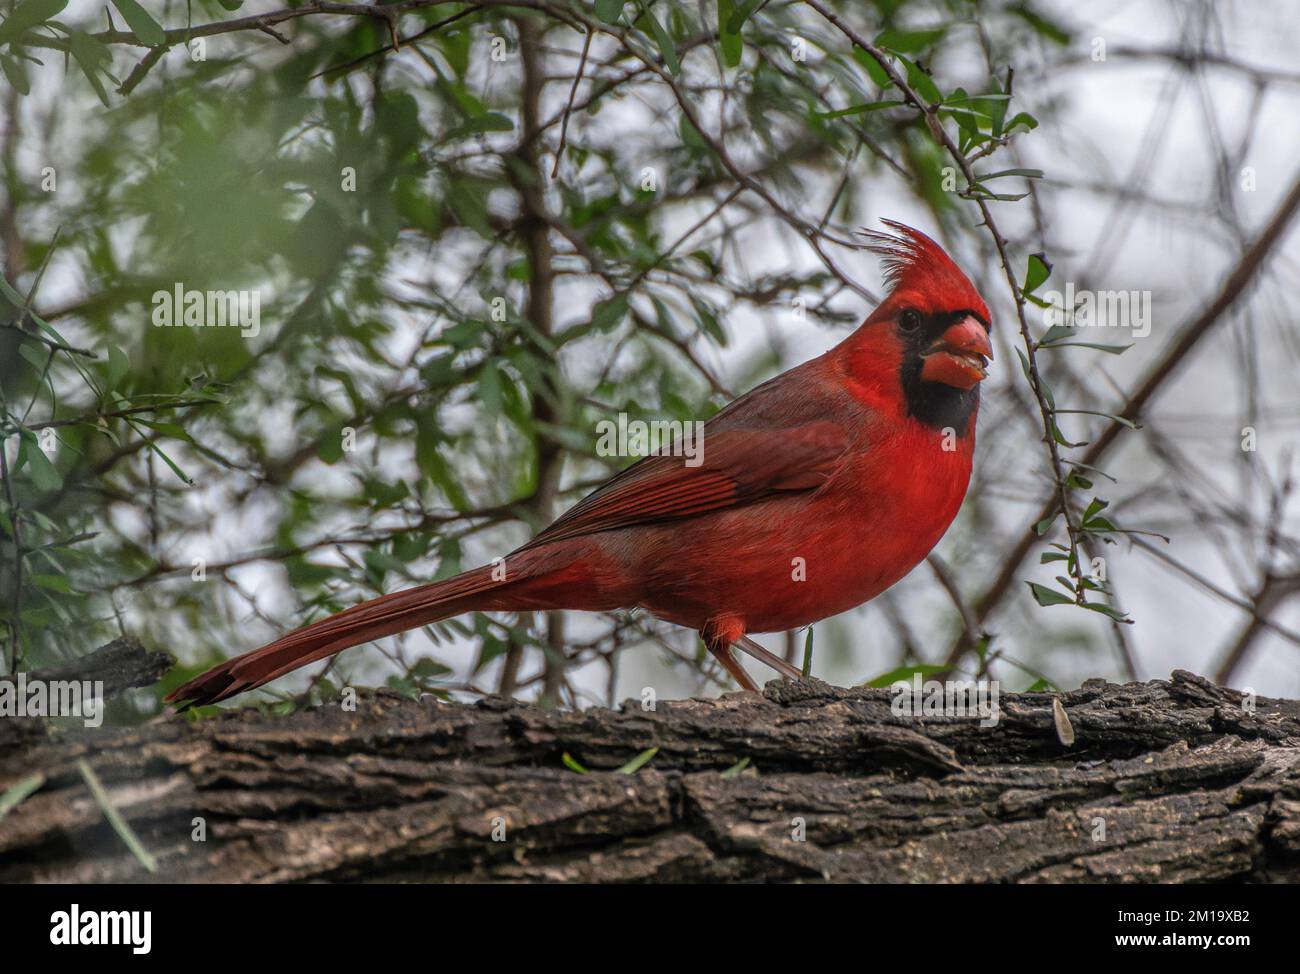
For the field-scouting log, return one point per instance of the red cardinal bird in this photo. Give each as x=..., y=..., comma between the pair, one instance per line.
x=818, y=490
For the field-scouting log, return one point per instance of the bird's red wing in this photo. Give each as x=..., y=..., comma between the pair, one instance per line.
x=739, y=466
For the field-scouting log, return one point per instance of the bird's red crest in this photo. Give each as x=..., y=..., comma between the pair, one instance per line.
x=918, y=272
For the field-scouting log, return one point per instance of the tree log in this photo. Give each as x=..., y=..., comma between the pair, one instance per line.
x=1166, y=781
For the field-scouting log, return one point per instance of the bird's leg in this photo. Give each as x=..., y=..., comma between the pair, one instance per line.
x=721, y=651
x=755, y=651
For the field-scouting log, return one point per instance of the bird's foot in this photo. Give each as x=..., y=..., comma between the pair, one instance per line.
x=755, y=651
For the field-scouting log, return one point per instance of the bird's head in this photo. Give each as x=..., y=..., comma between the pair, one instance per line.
x=927, y=344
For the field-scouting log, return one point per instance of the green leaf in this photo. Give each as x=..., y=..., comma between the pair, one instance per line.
x=1108, y=349
x=609, y=10
x=174, y=430
x=638, y=762
x=985, y=105
x=1107, y=610
x=690, y=137
x=34, y=357
x=118, y=366
x=1047, y=28
x=921, y=82
x=665, y=42
x=470, y=208
x=1047, y=596
x=488, y=122
x=1055, y=334
x=184, y=478
x=732, y=44
x=428, y=668
x=141, y=23
x=741, y=15
x=115, y=819
x=607, y=315
x=1113, y=417
x=571, y=763
x=1026, y=173
x=489, y=387
x=1097, y=506
x=491, y=648
x=16, y=74
x=231, y=4
x=996, y=105
x=384, y=492
x=969, y=122
x=1059, y=437
x=709, y=321
x=871, y=106
x=1022, y=119
x=53, y=583
x=873, y=68
x=45, y=476
x=1047, y=392
x=735, y=770
x=28, y=15
x=1024, y=366
x=905, y=672
x=908, y=41
x=379, y=563
x=19, y=300
x=92, y=57
x=15, y=794
x=808, y=652
x=1038, y=271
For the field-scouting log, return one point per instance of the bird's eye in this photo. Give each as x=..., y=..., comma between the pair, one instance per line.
x=909, y=320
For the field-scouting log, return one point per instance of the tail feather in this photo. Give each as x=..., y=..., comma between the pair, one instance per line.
x=382, y=616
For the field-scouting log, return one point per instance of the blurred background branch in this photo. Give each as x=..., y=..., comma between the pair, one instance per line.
x=463, y=233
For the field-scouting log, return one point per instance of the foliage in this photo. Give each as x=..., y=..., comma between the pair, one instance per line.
x=466, y=250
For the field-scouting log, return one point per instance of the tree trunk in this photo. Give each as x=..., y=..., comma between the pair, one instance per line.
x=1171, y=781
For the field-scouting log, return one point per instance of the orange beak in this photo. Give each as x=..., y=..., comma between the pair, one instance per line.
x=958, y=358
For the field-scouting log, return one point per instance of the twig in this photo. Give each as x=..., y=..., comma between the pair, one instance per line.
x=116, y=414
x=1189, y=337
x=272, y=32
x=48, y=342
x=573, y=91
x=970, y=624
x=15, y=522
x=347, y=65
x=807, y=231
x=142, y=68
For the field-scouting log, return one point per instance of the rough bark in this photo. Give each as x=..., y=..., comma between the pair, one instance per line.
x=1188, y=783
x=120, y=665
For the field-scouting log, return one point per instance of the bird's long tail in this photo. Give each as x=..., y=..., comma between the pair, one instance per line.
x=396, y=612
